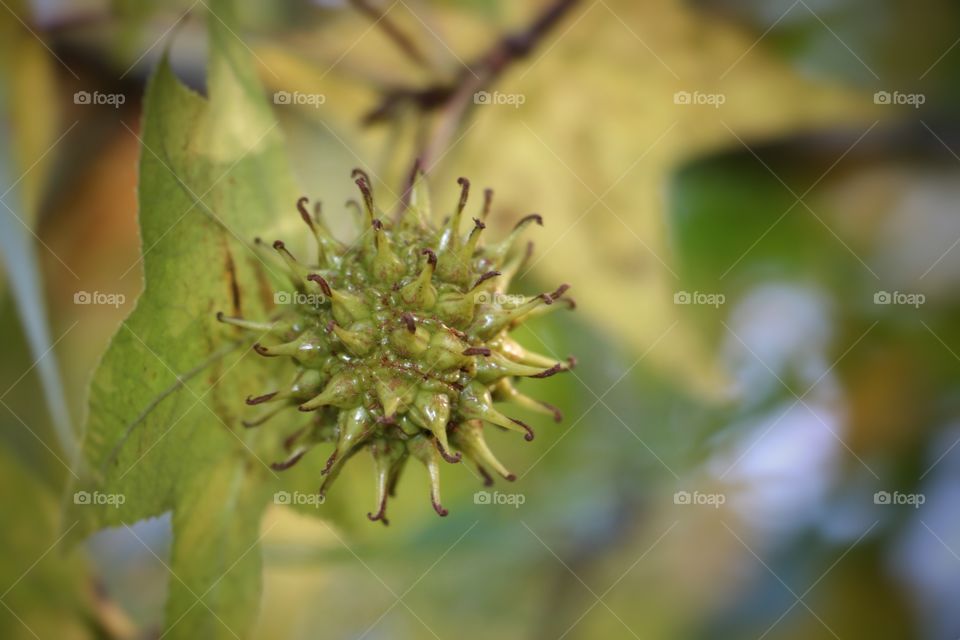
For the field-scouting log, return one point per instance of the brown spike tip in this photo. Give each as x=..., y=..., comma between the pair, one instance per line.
x=302, y=208
x=559, y=292
x=487, y=201
x=316, y=277
x=557, y=414
x=364, y=187
x=529, y=430
x=359, y=173
x=487, y=478
x=452, y=459
x=484, y=278
x=380, y=515
x=252, y=400
x=555, y=369
x=536, y=217
x=464, y=192
x=289, y=441
x=283, y=465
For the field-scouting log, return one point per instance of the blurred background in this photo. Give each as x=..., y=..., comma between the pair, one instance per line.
x=755, y=203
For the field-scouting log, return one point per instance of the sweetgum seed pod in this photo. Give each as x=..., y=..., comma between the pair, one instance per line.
x=404, y=345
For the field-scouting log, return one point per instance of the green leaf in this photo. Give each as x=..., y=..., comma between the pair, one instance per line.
x=164, y=427
x=216, y=555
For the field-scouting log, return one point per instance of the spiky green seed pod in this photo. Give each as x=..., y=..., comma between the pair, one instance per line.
x=400, y=341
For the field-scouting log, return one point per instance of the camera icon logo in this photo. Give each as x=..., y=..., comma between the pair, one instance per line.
x=681, y=297
x=82, y=297
x=481, y=97
x=81, y=497
x=484, y=297
x=882, y=297
x=481, y=497
x=882, y=497
x=282, y=297
x=281, y=97
x=681, y=497
x=281, y=497
x=882, y=97
x=81, y=97
x=681, y=97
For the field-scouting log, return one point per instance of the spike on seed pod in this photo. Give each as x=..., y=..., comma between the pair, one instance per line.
x=416, y=211
x=251, y=400
x=483, y=278
x=470, y=247
x=293, y=459
x=409, y=322
x=487, y=202
x=477, y=351
x=408, y=347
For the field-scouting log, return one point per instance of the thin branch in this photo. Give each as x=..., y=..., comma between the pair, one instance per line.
x=390, y=28
x=454, y=99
